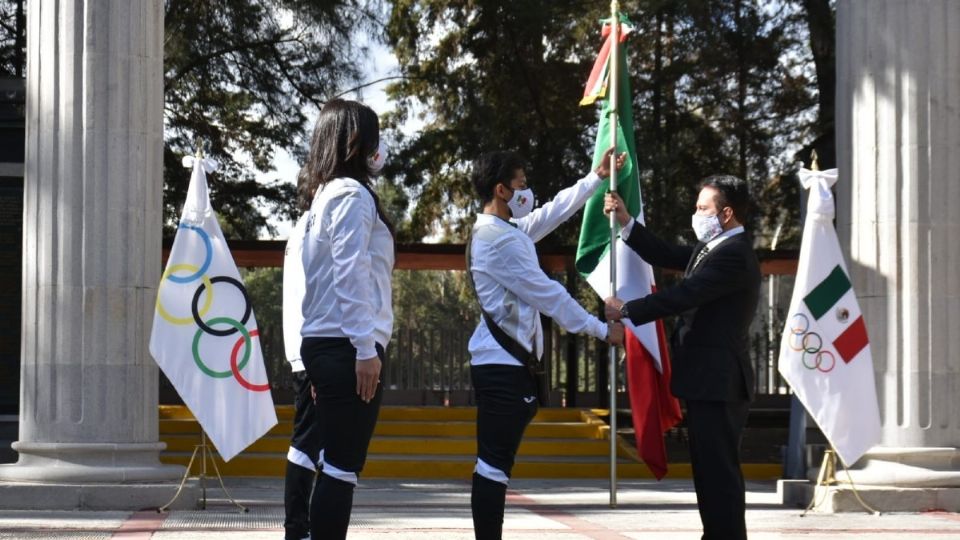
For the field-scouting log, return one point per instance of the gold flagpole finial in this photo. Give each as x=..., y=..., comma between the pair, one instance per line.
x=814, y=164
x=199, y=153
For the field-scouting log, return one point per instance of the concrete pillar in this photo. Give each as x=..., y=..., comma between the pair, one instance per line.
x=898, y=142
x=91, y=257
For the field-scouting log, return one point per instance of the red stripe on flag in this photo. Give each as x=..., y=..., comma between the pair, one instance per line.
x=590, y=92
x=654, y=408
x=596, y=88
x=852, y=340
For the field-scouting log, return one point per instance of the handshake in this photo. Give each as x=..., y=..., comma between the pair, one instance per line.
x=613, y=309
x=613, y=314
x=615, y=333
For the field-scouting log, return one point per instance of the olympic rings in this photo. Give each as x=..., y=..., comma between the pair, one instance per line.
x=790, y=339
x=807, y=346
x=819, y=363
x=206, y=261
x=246, y=354
x=236, y=369
x=196, y=298
x=833, y=361
x=197, y=313
x=806, y=324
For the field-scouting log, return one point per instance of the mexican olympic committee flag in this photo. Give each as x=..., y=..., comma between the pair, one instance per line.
x=825, y=351
x=654, y=408
x=205, y=336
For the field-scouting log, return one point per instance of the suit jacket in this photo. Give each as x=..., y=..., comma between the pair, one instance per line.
x=716, y=302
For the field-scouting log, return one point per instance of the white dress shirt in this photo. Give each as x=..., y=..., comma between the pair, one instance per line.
x=294, y=288
x=511, y=286
x=348, y=259
x=723, y=236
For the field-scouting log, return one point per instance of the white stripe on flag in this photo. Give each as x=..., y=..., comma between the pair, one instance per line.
x=634, y=280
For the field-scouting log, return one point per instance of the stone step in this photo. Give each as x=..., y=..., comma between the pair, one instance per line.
x=440, y=442
x=461, y=466
x=407, y=414
x=421, y=445
x=420, y=429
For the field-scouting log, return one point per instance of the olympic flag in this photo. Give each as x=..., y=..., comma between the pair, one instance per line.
x=825, y=351
x=204, y=331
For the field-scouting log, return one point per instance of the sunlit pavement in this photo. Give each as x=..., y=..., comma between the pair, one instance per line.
x=554, y=509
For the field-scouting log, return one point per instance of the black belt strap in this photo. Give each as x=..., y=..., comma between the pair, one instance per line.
x=507, y=342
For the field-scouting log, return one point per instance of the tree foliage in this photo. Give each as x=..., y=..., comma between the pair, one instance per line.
x=12, y=39
x=742, y=86
x=720, y=86
x=486, y=79
x=240, y=78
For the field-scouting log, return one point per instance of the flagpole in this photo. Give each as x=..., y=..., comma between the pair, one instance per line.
x=614, y=82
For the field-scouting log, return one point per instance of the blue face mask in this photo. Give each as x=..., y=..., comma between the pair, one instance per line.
x=706, y=227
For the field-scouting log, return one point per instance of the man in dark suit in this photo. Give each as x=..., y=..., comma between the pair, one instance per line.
x=712, y=373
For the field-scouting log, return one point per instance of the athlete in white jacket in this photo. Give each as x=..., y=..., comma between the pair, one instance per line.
x=347, y=256
x=305, y=452
x=513, y=291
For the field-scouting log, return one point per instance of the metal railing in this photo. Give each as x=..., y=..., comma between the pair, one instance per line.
x=429, y=366
x=428, y=362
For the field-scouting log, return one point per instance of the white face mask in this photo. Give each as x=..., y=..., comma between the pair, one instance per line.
x=521, y=203
x=706, y=227
x=376, y=161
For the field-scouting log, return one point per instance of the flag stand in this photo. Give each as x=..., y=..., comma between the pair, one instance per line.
x=828, y=477
x=614, y=84
x=828, y=467
x=205, y=453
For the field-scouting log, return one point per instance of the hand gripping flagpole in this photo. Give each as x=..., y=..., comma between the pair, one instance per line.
x=613, y=83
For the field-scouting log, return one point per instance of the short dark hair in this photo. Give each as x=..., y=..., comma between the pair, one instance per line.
x=732, y=192
x=494, y=168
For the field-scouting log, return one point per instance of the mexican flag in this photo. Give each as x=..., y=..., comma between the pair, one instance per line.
x=655, y=410
x=205, y=336
x=825, y=349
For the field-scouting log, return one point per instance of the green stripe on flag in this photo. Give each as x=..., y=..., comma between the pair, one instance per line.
x=827, y=293
x=595, y=228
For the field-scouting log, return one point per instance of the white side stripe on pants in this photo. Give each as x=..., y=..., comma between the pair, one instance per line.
x=486, y=470
x=299, y=458
x=343, y=476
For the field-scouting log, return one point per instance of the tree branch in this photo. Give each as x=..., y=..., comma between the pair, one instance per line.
x=371, y=83
x=293, y=83
x=206, y=58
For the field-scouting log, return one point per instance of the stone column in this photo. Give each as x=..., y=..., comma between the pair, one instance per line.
x=898, y=142
x=91, y=252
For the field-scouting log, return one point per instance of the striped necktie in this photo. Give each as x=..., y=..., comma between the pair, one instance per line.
x=700, y=256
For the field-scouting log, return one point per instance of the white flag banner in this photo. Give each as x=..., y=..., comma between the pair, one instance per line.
x=825, y=351
x=635, y=280
x=205, y=336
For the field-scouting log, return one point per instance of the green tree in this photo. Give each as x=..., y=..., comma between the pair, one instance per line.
x=240, y=77
x=719, y=87
x=744, y=74
x=13, y=39
x=265, y=287
x=487, y=79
